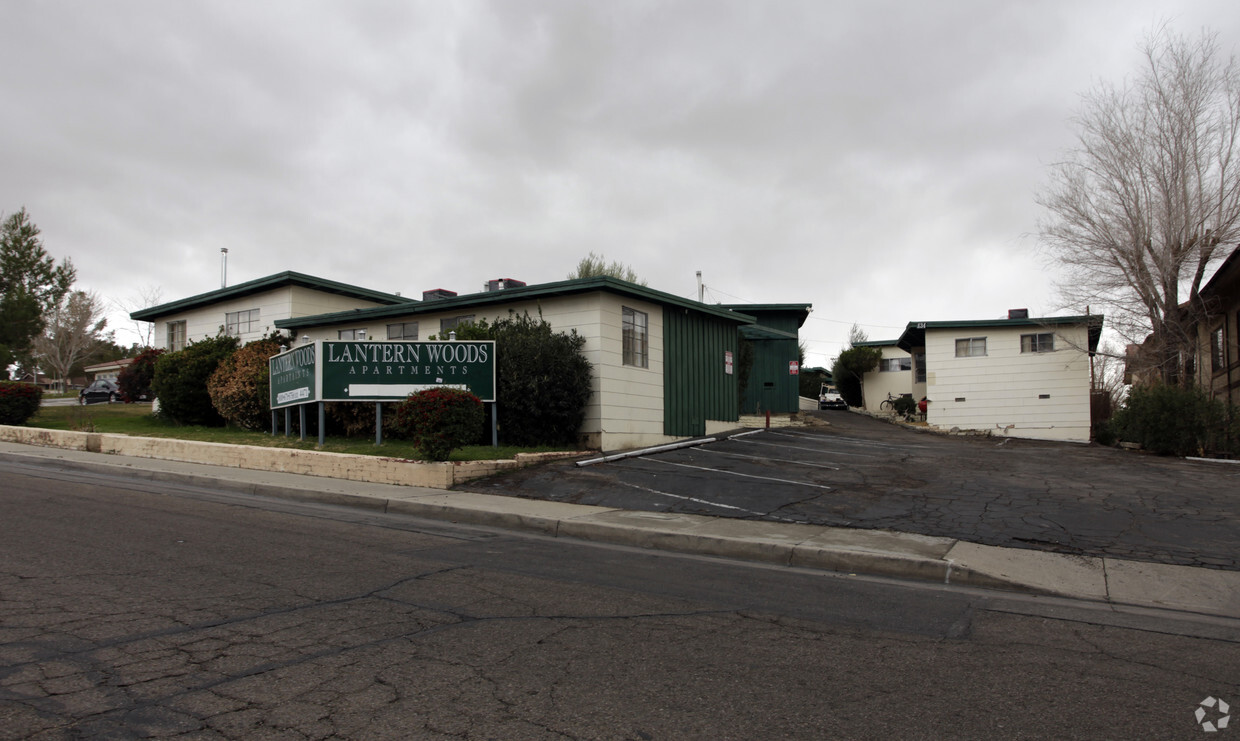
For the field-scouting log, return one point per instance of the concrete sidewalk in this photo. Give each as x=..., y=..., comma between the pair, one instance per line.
x=875, y=552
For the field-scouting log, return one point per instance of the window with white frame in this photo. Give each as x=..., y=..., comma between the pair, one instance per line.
x=176, y=336
x=971, y=347
x=635, y=337
x=891, y=365
x=1041, y=342
x=351, y=334
x=237, y=323
x=402, y=331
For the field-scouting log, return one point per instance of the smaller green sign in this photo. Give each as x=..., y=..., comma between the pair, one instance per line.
x=293, y=376
x=390, y=371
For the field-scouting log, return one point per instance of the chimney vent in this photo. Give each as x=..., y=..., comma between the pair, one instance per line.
x=500, y=284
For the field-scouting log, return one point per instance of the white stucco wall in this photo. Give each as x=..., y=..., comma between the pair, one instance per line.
x=1002, y=391
x=877, y=384
x=279, y=303
x=626, y=408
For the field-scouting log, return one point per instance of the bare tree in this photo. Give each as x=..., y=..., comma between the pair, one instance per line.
x=144, y=298
x=1150, y=195
x=74, y=328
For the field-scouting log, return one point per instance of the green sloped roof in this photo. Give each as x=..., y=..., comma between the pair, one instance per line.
x=287, y=278
x=520, y=293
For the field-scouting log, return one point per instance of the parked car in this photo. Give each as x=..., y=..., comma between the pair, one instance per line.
x=102, y=390
x=829, y=398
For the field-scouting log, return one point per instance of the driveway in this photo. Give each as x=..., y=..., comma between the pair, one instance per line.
x=860, y=472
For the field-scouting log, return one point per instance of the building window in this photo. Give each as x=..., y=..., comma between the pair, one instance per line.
x=889, y=365
x=1044, y=342
x=237, y=323
x=453, y=322
x=351, y=334
x=1218, y=354
x=635, y=338
x=919, y=360
x=971, y=347
x=176, y=336
x=403, y=331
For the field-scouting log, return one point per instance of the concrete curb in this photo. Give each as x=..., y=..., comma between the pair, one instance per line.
x=364, y=468
x=851, y=551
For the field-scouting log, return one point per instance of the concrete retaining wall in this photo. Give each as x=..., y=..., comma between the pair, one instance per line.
x=368, y=468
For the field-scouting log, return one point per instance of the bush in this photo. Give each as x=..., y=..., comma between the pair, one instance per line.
x=135, y=378
x=542, y=380
x=357, y=419
x=439, y=420
x=180, y=381
x=240, y=387
x=18, y=402
x=1170, y=420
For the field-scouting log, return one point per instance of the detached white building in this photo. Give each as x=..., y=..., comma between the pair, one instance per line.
x=1018, y=377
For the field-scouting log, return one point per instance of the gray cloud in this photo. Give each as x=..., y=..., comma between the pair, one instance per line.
x=876, y=159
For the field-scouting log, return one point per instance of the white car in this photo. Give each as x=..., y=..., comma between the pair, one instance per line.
x=829, y=398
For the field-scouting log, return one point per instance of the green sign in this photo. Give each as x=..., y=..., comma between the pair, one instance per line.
x=390, y=371
x=293, y=376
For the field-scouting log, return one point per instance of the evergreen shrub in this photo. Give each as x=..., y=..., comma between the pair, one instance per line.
x=18, y=402
x=180, y=381
x=135, y=378
x=240, y=387
x=439, y=420
x=1172, y=420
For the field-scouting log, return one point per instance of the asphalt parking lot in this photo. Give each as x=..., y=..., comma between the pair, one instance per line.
x=860, y=472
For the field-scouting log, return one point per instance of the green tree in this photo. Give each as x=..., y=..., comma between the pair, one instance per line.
x=31, y=284
x=543, y=380
x=180, y=381
x=849, y=368
x=595, y=265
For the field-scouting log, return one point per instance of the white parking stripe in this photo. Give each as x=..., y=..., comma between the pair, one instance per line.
x=746, y=475
x=695, y=500
x=772, y=460
x=848, y=440
x=812, y=450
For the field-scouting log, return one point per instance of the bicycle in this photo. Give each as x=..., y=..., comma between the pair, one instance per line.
x=904, y=405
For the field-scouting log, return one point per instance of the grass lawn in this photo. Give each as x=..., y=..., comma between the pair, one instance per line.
x=136, y=419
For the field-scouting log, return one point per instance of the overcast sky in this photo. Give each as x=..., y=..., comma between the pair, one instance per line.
x=876, y=159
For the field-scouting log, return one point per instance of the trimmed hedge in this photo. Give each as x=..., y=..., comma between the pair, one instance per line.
x=135, y=378
x=180, y=381
x=1171, y=420
x=439, y=420
x=240, y=386
x=18, y=402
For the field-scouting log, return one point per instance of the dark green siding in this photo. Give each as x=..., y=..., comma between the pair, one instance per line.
x=696, y=386
x=771, y=387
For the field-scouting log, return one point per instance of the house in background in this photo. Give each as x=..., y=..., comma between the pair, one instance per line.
x=664, y=367
x=1019, y=376
x=111, y=370
x=249, y=310
x=893, y=377
x=1218, y=334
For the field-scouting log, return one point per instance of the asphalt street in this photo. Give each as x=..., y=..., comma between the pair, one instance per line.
x=159, y=610
x=860, y=472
